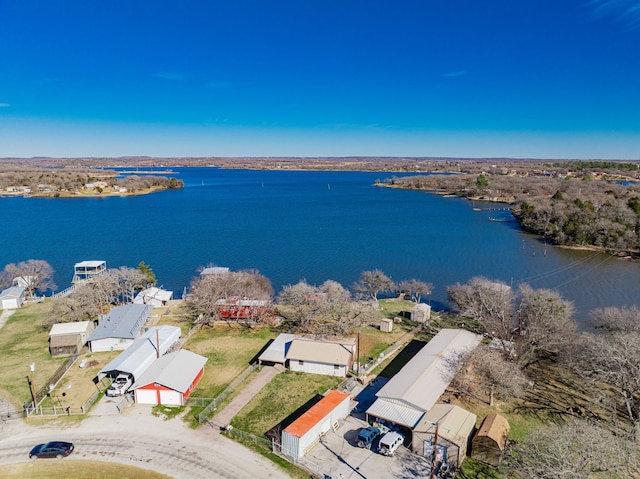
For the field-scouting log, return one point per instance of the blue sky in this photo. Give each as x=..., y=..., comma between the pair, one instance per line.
x=458, y=78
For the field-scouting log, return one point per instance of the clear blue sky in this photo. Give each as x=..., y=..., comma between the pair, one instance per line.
x=465, y=78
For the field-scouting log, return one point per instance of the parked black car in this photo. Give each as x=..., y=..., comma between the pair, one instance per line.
x=58, y=449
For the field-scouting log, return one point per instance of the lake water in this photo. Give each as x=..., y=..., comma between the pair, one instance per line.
x=293, y=225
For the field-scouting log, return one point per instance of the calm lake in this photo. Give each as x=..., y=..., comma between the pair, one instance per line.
x=293, y=225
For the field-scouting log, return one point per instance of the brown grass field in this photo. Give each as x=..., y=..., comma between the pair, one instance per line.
x=65, y=469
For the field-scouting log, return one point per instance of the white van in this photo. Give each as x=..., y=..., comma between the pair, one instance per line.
x=389, y=443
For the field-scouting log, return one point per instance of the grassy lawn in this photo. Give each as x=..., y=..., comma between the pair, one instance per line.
x=53, y=469
x=24, y=340
x=280, y=398
x=229, y=350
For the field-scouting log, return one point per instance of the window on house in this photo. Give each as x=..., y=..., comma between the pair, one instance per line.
x=336, y=366
x=300, y=363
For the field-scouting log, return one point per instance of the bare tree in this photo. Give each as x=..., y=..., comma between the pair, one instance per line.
x=545, y=323
x=491, y=303
x=613, y=358
x=416, y=288
x=576, y=450
x=207, y=291
x=373, y=282
x=33, y=275
x=486, y=371
x=328, y=309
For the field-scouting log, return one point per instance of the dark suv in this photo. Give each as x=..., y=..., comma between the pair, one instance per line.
x=367, y=436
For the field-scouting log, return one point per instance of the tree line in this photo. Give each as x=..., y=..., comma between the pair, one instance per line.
x=586, y=204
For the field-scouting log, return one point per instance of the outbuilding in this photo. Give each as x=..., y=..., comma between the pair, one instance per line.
x=66, y=339
x=138, y=357
x=12, y=298
x=170, y=380
x=421, y=313
x=489, y=442
x=455, y=427
x=120, y=327
x=415, y=389
x=304, y=433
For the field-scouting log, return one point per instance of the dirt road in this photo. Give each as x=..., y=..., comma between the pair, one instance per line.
x=139, y=439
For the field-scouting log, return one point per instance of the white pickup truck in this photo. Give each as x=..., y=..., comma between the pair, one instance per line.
x=120, y=385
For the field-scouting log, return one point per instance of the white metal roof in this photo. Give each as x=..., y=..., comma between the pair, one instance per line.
x=427, y=375
x=396, y=412
x=276, y=352
x=152, y=293
x=70, y=328
x=214, y=270
x=176, y=370
x=143, y=352
x=90, y=264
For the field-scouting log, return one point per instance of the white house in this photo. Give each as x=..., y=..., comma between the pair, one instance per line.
x=333, y=358
x=120, y=327
x=12, y=298
x=171, y=379
x=304, y=433
x=156, y=297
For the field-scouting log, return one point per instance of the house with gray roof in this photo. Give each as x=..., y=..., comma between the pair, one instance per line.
x=120, y=327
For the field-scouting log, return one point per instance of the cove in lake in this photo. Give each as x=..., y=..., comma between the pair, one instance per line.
x=312, y=225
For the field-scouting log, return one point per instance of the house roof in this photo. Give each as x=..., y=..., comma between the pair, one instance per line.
x=12, y=292
x=427, y=375
x=495, y=427
x=276, y=352
x=176, y=370
x=141, y=354
x=319, y=351
x=454, y=423
x=122, y=322
x=152, y=293
x=70, y=328
x=316, y=413
x=214, y=270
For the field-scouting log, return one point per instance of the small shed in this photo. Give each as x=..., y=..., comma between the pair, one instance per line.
x=489, y=442
x=455, y=427
x=386, y=325
x=66, y=339
x=304, y=433
x=171, y=379
x=12, y=298
x=421, y=313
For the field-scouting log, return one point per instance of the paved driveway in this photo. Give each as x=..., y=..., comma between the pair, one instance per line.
x=337, y=454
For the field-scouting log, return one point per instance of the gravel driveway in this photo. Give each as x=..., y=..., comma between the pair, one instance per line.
x=139, y=439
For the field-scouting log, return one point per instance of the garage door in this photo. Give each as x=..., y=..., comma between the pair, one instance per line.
x=170, y=398
x=146, y=396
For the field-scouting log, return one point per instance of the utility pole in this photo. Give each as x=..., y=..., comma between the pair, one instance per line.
x=32, y=369
x=434, y=453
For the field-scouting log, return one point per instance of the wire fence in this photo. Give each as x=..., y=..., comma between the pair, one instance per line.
x=208, y=411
